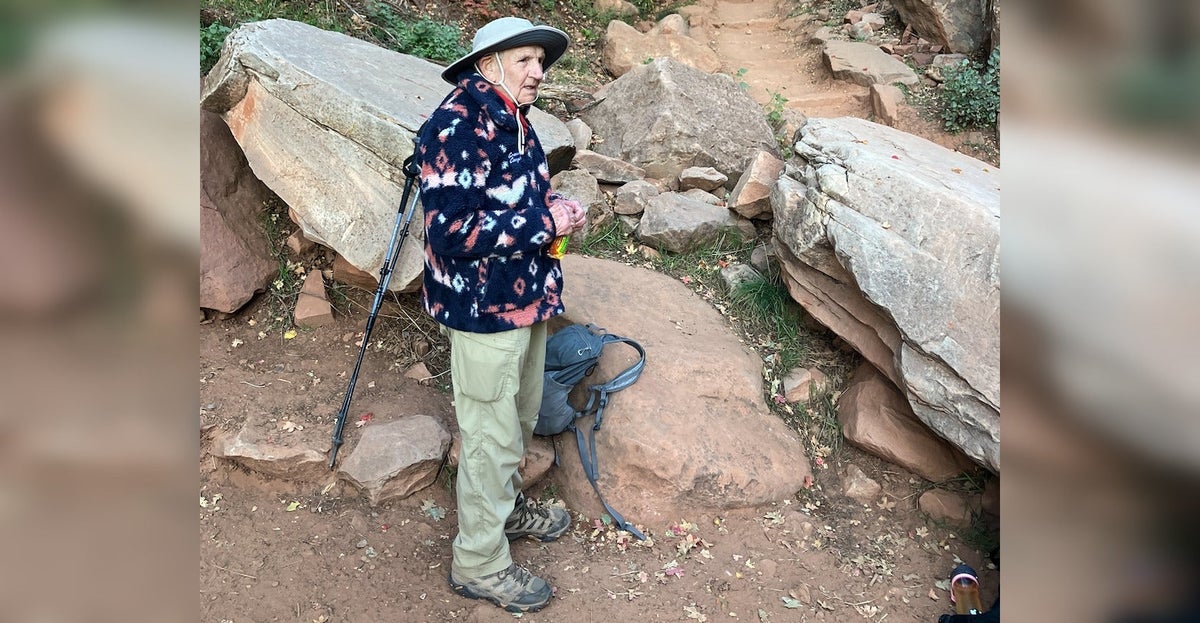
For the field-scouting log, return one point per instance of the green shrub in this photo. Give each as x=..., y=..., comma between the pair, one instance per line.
x=971, y=97
x=429, y=39
x=212, y=37
x=424, y=38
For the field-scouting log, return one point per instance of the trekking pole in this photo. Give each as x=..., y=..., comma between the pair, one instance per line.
x=399, y=233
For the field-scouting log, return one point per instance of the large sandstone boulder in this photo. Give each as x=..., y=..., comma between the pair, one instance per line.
x=326, y=121
x=691, y=118
x=893, y=242
x=960, y=25
x=626, y=48
x=693, y=434
x=235, y=257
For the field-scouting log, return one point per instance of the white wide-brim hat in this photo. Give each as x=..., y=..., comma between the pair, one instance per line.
x=507, y=33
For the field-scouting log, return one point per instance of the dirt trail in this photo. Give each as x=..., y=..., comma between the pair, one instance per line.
x=748, y=37
x=770, y=51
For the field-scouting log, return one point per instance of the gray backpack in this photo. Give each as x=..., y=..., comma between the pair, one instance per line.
x=572, y=353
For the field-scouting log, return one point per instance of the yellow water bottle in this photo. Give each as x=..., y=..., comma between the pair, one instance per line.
x=558, y=248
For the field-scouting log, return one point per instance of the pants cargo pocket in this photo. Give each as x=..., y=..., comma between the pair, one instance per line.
x=484, y=366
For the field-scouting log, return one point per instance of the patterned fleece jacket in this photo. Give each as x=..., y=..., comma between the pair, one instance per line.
x=485, y=190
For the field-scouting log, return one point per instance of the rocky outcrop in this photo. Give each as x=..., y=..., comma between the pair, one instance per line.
x=326, y=121
x=698, y=119
x=235, y=257
x=693, y=434
x=893, y=242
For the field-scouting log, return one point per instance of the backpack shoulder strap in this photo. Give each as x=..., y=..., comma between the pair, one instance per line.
x=597, y=401
x=629, y=375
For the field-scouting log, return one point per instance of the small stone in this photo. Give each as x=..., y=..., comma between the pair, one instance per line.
x=860, y=487
x=419, y=373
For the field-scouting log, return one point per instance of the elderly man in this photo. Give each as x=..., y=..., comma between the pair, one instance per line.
x=491, y=282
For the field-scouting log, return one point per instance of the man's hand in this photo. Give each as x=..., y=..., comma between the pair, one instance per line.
x=569, y=216
x=578, y=215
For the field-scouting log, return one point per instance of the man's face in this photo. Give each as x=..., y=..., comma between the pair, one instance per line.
x=522, y=71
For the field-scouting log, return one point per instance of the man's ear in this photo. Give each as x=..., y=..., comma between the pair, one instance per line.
x=487, y=66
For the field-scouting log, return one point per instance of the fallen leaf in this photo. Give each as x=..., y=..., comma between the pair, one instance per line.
x=895, y=157
x=943, y=584
x=237, y=342
x=203, y=502
x=808, y=482
x=933, y=594
x=788, y=602
x=289, y=334
x=686, y=279
x=293, y=506
x=956, y=170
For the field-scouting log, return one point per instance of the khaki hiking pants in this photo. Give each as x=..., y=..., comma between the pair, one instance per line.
x=497, y=380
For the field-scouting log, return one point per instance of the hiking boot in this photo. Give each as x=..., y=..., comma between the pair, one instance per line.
x=515, y=589
x=529, y=518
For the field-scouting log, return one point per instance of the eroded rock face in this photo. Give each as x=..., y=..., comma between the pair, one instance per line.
x=694, y=432
x=893, y=242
